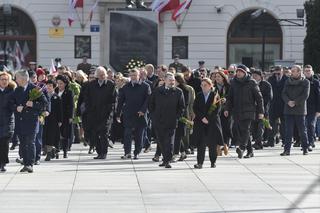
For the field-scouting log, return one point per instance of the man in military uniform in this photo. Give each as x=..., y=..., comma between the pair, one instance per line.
x=176, y=64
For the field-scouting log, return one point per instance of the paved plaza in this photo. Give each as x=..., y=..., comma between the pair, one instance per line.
x=265, y=183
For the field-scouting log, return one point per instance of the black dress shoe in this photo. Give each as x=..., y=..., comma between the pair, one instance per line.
x=213, y=165
x=126, y=156
x=104, y=156
x=48, y=157
x=268, y=144
x=239, y=152
x=257, y=146
x=97, y=157
x=29, y=169
x=285, y=153
x=198, y=166
x=168, y=166
x=310, y=149
x=2, y=168
x=136, y=157
x=13, y=147
x=24, y=169
x=156, y=159
x=162, y=164
x=249, y=155
x=65, y=155
x=305, y=152
x=182, y=157
x=19, y=160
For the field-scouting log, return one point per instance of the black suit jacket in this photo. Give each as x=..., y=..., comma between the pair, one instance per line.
x=166, y=107
x=27, y=122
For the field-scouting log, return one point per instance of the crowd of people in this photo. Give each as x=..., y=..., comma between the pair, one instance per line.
x=180, y=109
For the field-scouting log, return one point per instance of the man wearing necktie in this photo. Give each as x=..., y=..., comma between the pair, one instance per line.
x=26, y=118
x=132, y=103
x=166, y=108
x=277, y=81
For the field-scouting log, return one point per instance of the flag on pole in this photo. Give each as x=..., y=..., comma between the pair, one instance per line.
x=158, y=5
x=72, y=5
x=52, y=68
x=92, y=9
x=161, y=6
x=25, y=49
x=182, y=7
x=18, y=54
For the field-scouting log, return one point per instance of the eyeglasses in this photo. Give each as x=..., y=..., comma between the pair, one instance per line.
x=4, y=79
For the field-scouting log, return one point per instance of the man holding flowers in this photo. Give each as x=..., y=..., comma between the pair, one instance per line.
x=27, y=102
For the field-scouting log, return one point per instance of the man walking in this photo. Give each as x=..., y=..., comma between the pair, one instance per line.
x=295, y=94
x=244, y=101
x=26, y=112
x=133, y=103
x=166, y=108
x=99, y=99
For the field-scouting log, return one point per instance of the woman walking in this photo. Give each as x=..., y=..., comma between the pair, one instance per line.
x=6, y=118
x=207, y=125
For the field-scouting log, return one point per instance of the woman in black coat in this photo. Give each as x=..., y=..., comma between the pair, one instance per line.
x=207, y=125
x=67, y=112
x=222, y=85
x=6, y=118
x=52, y=123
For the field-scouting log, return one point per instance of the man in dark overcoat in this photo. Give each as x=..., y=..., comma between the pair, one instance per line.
x=166, y=108
x=99, y=99
x=26, y=114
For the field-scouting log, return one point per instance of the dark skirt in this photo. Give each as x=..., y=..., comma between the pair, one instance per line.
x=51, y=133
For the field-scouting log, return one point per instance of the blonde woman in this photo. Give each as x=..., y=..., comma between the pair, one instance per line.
x=7, y=87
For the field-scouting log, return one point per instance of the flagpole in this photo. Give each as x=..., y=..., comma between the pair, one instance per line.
x=82, y=21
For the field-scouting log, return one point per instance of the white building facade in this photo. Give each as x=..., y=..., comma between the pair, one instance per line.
x=220, y=32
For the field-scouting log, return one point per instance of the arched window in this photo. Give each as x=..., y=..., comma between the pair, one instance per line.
x=17, y=39
x=246, y=36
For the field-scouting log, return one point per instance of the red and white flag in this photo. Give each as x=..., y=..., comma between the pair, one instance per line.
x=18, y=54
x=52, y=68
x=92, y=9
x=161, y=6
x=72, y=10
x=182, y=7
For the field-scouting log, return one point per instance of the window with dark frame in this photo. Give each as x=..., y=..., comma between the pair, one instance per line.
x=180, y=46
x=82, y=46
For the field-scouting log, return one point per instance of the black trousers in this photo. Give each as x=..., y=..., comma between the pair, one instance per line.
x=138, y=139
x=165, y=139
x=28, y=148
x=179, y=134
x=4, y=149
x=100, y=140
x=276, y=128
x=201, y=150
x=257, y=130
x=242, y=133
